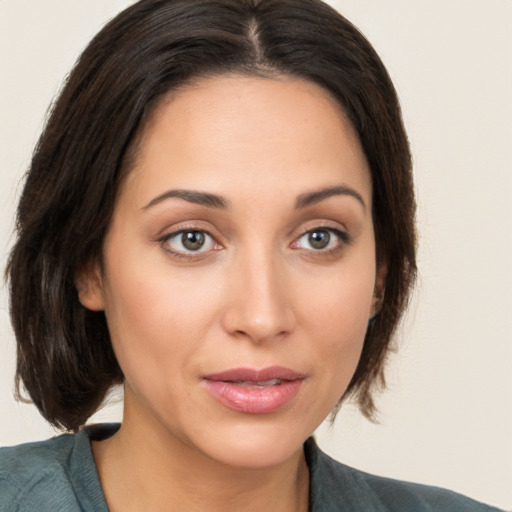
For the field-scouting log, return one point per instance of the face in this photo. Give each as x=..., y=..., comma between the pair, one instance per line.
x=239, y=269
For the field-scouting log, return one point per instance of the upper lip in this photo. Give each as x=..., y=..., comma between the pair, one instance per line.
x=255, y=375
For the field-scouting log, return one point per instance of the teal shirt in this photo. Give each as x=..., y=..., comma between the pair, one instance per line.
x=60, y=475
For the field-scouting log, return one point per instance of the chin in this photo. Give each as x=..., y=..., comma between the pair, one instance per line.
x=259, y=446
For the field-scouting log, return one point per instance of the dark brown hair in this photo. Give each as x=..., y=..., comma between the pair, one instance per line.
x=65, y=360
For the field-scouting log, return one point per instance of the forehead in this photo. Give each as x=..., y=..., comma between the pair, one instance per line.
x=251, y=131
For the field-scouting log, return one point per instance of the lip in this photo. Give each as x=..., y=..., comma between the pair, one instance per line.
x=252, y=391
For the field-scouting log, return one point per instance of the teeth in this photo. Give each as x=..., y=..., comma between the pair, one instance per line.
x=258, y=385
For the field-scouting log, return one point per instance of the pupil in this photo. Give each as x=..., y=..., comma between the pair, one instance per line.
x=319, y=239
x=193, y=240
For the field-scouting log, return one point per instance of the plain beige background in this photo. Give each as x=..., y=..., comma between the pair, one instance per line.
x=447, y=417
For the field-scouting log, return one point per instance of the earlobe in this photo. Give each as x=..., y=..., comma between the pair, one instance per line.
x=90, y=289
x=379, y=290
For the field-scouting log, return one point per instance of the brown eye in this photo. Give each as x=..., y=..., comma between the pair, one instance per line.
x=322, y=239
x=193, y=240
x=188, y=241
x=319, y=239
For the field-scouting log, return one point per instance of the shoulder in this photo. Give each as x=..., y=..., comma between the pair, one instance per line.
x=335, y=486
x=34, y=469
x=57, y=474
x=407, y=496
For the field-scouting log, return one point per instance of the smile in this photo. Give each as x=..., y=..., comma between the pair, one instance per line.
x=257, y=385
x=254, y=391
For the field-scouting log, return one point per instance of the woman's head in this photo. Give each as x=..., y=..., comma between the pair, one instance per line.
x=95, y=135
x=238, y=272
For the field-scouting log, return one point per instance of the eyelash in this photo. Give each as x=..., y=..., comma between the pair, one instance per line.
x=343, y=240
x=184, y=255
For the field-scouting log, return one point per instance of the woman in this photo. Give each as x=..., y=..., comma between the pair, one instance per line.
x=219, y=215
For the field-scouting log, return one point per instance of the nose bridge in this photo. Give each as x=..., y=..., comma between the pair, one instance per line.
x=259, y=308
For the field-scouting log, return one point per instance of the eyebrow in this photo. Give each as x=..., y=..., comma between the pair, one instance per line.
x=305, y=200
x=215, y=201
x=192, y=196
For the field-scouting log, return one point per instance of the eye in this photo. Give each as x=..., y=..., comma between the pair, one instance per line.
x=189, y=241
x=321, y=239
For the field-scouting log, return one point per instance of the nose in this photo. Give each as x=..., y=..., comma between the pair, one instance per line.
x=259, y=308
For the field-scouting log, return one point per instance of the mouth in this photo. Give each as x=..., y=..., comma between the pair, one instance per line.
x=253, y=391
x=247, y=384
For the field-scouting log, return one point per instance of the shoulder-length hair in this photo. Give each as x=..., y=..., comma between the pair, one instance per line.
x=65, y=359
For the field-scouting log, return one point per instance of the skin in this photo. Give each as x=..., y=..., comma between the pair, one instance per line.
x=257, y=294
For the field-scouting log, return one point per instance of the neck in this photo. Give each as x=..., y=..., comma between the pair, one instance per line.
x=148, y=469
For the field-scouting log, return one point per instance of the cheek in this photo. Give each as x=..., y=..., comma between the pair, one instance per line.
x=341, y=300
x=337, y=319
x=157, y=317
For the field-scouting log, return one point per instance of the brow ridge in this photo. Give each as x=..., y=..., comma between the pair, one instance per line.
x=310, y=198
x=215, y=201
x=192, y=196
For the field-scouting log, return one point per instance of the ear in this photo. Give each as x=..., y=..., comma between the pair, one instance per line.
x=379, y=290
x=89, y=285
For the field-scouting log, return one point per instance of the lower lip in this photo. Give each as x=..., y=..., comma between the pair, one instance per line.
x=253, y=400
